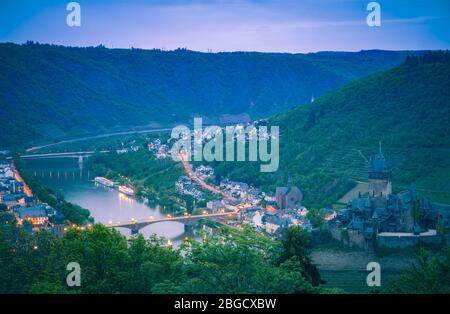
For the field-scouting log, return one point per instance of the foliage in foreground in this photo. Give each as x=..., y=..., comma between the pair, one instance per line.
x=429, y=274
x=231, y=262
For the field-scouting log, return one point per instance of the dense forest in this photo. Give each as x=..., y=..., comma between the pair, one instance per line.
x=49, y=91
x=324, y=145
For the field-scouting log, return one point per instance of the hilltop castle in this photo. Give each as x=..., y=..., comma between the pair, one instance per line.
x=396, y=220
x=380, y=172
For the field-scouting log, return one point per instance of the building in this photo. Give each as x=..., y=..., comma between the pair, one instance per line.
x=404, y=217
x=270, y=197
x=10, y=200
x=329, y=214
x=215, y=206
x=37, y=215
x=59, y=225
x=288, y=196
x=380, y=172
x=257, y=219
x=274, y=222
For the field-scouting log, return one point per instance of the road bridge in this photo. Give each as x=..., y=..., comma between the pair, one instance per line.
x=188, y=220
x=75, y=154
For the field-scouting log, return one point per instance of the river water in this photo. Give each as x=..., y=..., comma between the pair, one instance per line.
x=106, y=205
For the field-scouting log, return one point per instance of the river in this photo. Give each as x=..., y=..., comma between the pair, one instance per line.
x=106, y=205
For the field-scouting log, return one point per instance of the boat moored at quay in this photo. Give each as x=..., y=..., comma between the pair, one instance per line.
x=126, y=190
x=103, y=181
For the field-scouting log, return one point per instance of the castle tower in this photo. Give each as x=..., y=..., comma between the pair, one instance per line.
x=380, y=172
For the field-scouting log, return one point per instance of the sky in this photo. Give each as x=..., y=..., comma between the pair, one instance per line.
x=231, y=25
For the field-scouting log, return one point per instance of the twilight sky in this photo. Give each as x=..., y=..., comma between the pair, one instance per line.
x=231, y=25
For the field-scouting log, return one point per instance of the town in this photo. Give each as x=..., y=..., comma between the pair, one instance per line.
x=30, y=213
x=378, y=217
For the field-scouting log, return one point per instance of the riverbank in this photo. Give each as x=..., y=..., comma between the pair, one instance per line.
x=66, y=177
x=75, y=214
x=151, y=178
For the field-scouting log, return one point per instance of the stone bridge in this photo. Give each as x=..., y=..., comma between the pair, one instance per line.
x=187, y=220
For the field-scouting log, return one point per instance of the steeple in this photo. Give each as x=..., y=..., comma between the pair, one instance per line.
x=379, y=175
x=379, y=163
x=289, y=182
x=380, y=152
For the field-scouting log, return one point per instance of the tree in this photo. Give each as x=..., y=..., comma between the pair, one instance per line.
x=426, y=275
x=237, y=262
x=440, y=229
x=229, y=262
x=189, y=203
x=316, y=216
x=415, y=212
x=296, y=247
x=345, y=237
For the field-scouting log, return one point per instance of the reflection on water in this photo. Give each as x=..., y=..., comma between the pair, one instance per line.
x=106, y=205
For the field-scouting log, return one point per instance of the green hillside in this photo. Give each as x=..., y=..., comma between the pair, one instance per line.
x=323, y=145
x=49, y=92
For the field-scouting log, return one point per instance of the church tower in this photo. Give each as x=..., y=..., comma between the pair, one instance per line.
x=380, y=172
x=59, y=225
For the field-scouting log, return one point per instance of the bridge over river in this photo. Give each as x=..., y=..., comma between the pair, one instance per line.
x=187, y=220
x=77, y=154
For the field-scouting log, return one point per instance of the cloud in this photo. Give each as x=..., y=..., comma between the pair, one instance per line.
x=280, y=26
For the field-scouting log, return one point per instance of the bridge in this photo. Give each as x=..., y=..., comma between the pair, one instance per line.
x=187, y=220
x=77, y=154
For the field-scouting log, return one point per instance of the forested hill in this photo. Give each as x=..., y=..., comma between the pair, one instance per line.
x=49, y=92
x=323, y=145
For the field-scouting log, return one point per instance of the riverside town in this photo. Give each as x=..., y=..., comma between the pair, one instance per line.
x=223, y=155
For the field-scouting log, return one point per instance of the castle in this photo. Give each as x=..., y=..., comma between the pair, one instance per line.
x=396, y=220
x=380, y=172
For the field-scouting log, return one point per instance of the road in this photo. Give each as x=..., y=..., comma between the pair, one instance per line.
x=212, y=188
x=85, y=138
x=79, y=153
x=18, y=177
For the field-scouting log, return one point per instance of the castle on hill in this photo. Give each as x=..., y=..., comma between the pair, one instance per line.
x=394, y=220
